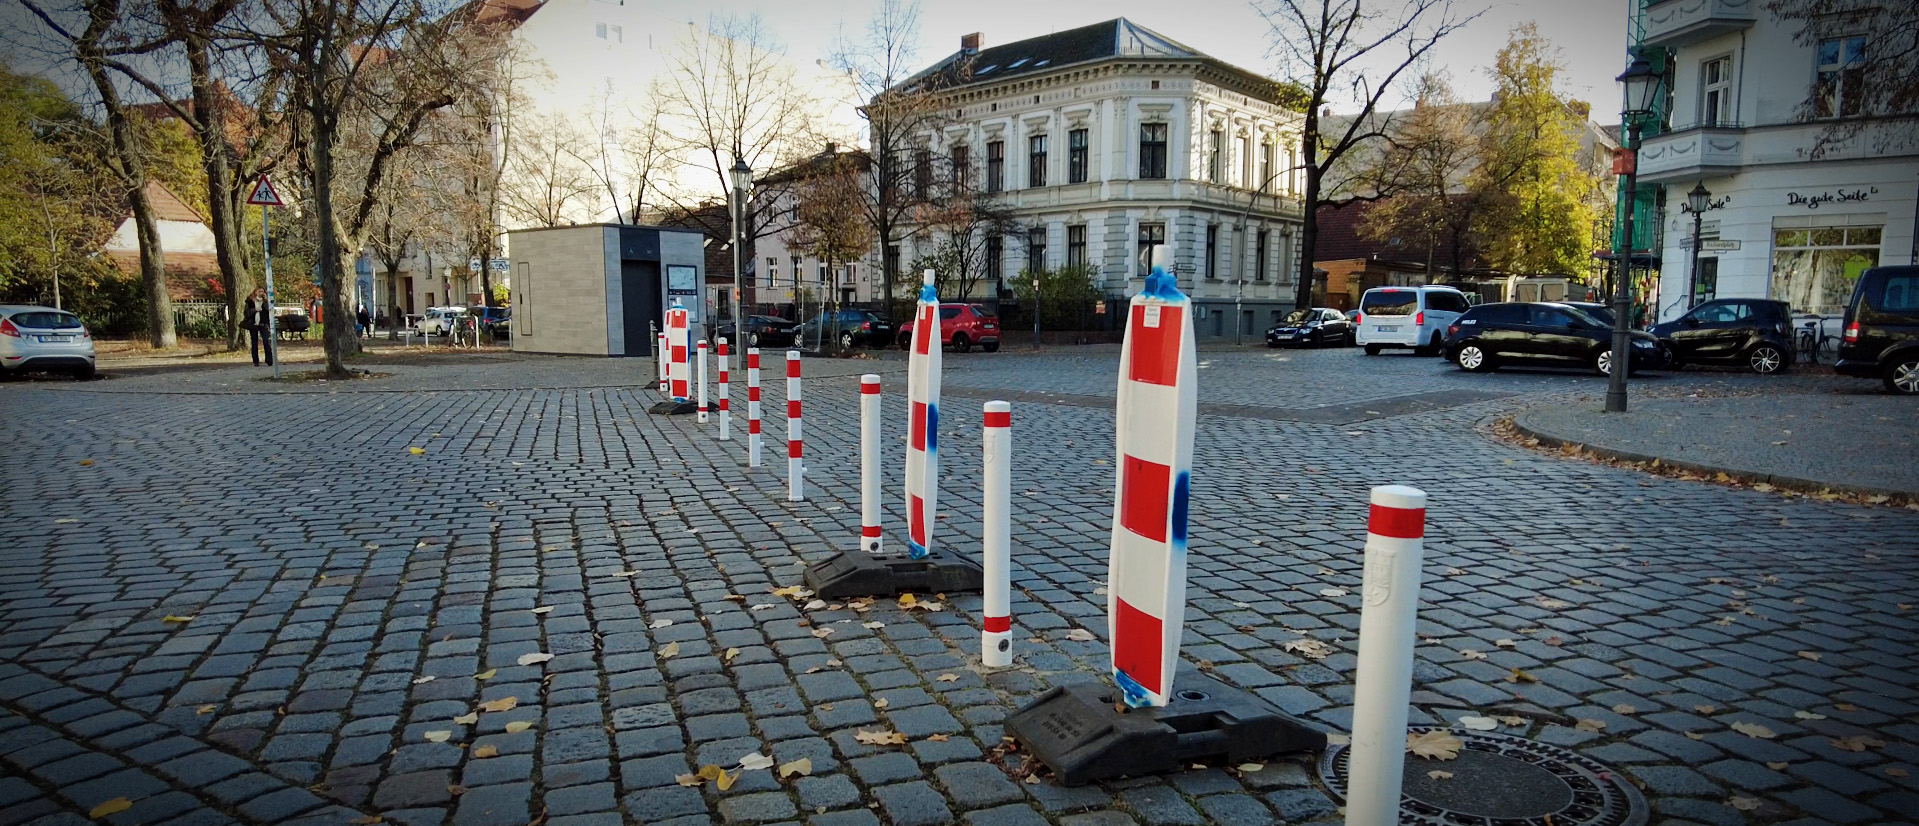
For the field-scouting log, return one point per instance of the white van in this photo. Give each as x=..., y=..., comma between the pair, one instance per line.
x=1414, y=317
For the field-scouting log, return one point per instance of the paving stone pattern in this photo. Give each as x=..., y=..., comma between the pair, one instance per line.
x=350, y=600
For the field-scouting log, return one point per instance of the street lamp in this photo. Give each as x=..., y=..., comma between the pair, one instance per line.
x=742, y=183
x=1697, y=202
x=1642, y=86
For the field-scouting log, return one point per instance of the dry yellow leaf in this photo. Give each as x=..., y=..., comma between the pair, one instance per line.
x=172, y=618
x=1585, y=724
x=1624, y=708
x=1437, y=744
x=468, y=719
x=1506, y=643
x=1857, y=742
x=882, y=703
x=790, y=591
x=1744, y=804
x=1520, y=676
x=502, y=704
x=688, y=780
x=880, y=738
x=669, y=650
x=204, y=710
x=438, y=736
x=907, y=601
x=1754, y=730
x=1810, y=655
x=1808, y=715
x=726, y=781
x=534, y=658
x=1693, y=735
x=1439, y=775
x=114, y=806
x=947, y=678
x=802, y=766
x=731, y=653
x=1703, y=709
x=487, y=674
x=518, y=726
x=822, y=633
x=484, y=752
x=938, y=738
x=544, y=609
x=1895, y=771
x=1080, y=635
x=1846, y=707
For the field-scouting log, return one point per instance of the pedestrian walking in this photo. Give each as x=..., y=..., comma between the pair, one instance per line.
x=364, y=321
x=256, y=323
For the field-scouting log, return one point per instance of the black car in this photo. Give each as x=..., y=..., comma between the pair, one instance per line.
x=1316, y=327
x=1882, y=329
x=1754, y=333
x=1595, y=309
x=1540, y=335
x=850, y=328
x=761, y=331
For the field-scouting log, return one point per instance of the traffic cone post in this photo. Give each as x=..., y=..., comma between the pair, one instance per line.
x=726, y=414
x=795, y=447
x=752, y=407
x=676, y=347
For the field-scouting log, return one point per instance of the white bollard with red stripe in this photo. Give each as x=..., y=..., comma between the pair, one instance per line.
x=726, y=415
x=752, y=407
x=676, y=342
x=870, y=539
x=1395, y=549
x=663, y=359
x=795, y=484
x=702, y=382
x=1153, y=424
x=922, y=422
x=996, y=534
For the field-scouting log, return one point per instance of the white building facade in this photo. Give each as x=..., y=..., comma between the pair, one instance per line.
x=1797, y=225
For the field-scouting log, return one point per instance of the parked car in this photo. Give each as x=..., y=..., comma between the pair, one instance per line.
x=1593, y=308
x=961, y=327
x=1755, y=333
x=851, y=328
x=1352, y=315
x=1415, y=317
x=1541, y=334
x=43, y=339
x=491, y=318
x=1882, y=329
x=1316, y=327
x=440, y=321
x=761, y=331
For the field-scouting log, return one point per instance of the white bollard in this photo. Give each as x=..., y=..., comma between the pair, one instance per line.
x=996, y=631
x=752, y=407
x=677, y=335
x=663, y=360
x=922, y=422
x=1395, y=538
x=702, y=368
x=726, y=415
x=870, y=538
x=795, y=484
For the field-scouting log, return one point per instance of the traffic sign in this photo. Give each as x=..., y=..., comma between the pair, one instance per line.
x=263, y=194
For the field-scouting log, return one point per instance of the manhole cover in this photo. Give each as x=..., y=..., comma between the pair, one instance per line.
x=1512, y=781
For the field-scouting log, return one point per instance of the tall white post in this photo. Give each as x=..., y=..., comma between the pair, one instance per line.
x=996, y=631
x=702, y=382
x=871, y=539
x=1395, y=539
x=726, y=414
x=663, y=359
x=752, y=407
x=795, y=485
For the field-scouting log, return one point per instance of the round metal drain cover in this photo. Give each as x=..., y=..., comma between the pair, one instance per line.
x=1511, y=781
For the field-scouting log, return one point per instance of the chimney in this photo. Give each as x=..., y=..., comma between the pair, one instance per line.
x=832, y=149
x=971, y=43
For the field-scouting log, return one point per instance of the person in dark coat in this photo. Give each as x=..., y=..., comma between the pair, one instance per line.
x=259, y=315
x=365, y=321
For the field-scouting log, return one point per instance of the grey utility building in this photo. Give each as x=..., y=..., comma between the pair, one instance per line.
x=602, y=289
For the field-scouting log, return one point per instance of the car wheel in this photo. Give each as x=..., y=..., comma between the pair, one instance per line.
x=83, y=373
x=1766, y=359
x=846, y=341
x=1603, y=362
x=752, y=339
x=961, y=343
x=1473, y=359
x=1372, y=349
x=1352, y=338
x=1431, y=349
x=1902, y=376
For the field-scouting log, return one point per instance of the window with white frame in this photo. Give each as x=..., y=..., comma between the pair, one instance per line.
x=1840, y=88
x=772, y=271
x=1814, y=268
x=1715, y=91
x=1215, y=147
x=1152, y=150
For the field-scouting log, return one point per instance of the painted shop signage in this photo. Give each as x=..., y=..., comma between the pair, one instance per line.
x=1814, y=200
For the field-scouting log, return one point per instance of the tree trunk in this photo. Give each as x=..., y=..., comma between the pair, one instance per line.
x=1308, y=231
x=131, y=163
x=338, y=339
x=222, y=212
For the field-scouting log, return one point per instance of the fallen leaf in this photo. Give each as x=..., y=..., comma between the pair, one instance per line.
x=907, y=601
x=544, y=609
x=1778, y=767
x=725, y=781
x=172, y=618
x=880, y=738
x=1332, y=592
x=813, y=605
x=669, y=650
x=65, y=520
x=791, y=591
x=734, y=598
x=438, y=736
x=1479, y=723
x=1624, y=708
x=1857, y=742
x=659, y=623
x=1754, y=730
x=417, y=451
x=1080, y=635
x=1519, y=676
x=693, y=780
x=1511, y=720
x=1586, y=724
x=1810, y=655
x=1744, y=804
x=518, y=726
x=1554, y=640
x=1506, y=644
x=468, y=718
x=1434, y=745
x=756, y=761
x=502, y=704
x=1472, y=655
x=1846, y=707
x=1704, y=709
x=484, y=752
x=872, y=626
x=114, y=806
x=1439, y=775
x=535, y=658
x=1693, y=735
x=487, y=674
x=822, y=633
x=731, y=653
x=1250, y=767
x=938, y=738
x=1895, y=771
x=802, y=767
x=929, y=606
x=882, y=703
x=1309, y=648
x=367, y=820
x=1808, y=715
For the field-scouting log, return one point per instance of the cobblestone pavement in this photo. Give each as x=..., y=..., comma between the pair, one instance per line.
x=351, y=603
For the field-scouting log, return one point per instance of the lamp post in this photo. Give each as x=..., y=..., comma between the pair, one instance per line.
x=1697, y=202
x=1642, y=91
x=742, y=183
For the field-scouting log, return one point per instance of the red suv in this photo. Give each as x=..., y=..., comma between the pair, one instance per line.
x=962, y=326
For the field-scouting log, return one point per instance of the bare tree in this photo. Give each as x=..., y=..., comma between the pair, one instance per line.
x=1433, y=150
x=1348, y=52
x=827, y=223
x=1870, y=79
x=731, y=96
x=547, y=185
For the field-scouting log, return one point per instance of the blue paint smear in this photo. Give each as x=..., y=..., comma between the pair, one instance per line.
x=915, y=550
x=1162, y=286
x=932, y=430
x=1135, y=694
x=929, y=295
x=1182, y=486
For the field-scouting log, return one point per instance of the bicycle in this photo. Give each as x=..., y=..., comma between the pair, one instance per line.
x=1813, y=343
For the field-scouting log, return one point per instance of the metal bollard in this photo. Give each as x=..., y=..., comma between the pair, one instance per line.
x=996, y=631
x=664, y=360
x=795, y=485
x=726, y=415
x=1395, y=538
x=702, y=368
x=870, y=538
x=752, y=407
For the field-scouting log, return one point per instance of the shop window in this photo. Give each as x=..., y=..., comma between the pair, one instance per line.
x=1813, y=270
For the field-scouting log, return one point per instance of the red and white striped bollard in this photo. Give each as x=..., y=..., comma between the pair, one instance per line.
x=726, y=415
x=1395, y=549
x=996, y=631
x=871, y=539
x=795, y=446
x=752, y=407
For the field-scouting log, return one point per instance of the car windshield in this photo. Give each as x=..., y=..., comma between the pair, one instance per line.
x=1300, y=316
x=949, y=312
x=1581, y=315
x=1390, y=302
x=983, y=313
x=47, y=320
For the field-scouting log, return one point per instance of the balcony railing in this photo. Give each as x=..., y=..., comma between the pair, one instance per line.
x=1675, y=23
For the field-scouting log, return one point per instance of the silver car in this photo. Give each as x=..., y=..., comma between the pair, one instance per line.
x=43, y=339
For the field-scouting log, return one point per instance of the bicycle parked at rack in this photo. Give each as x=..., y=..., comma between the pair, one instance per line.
x=1813, y=344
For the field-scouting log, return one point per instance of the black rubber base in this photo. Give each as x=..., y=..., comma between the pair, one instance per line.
x=669, y=407
x=860, y=574
x=1079, y=733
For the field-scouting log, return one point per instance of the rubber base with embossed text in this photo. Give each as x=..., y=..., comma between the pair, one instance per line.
x=860, y=574
x=670, y=407
x=1081, y=733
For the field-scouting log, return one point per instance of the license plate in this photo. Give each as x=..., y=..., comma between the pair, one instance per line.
x=1392, y=329
x=52, y=339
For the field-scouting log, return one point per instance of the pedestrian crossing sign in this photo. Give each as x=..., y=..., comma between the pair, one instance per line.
x=263, y=194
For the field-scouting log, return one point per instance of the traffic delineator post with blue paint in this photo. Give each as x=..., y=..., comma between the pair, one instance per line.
x=676, y=341
x=922, y=422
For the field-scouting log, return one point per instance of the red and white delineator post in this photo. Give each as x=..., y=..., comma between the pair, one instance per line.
x=1153, y=422
x=871, y=540
x=795, y=484
x=922, y=423
x=702, y=382
x=665, y=358
x=1395, y=550
x=676, y=342
x=996, y=632
x=726, y=415
x=752, y=407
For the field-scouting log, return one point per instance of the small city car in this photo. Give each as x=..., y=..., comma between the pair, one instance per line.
x=43, y=339
x=1754, y=333
x=1415, y=317
x=850, y=328
x=1882, y=329
x=1541, y=335
x=761, y=331
x=962, y=326
x=1317, y=327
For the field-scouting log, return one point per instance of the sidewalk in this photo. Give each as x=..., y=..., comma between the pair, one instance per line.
x=1857, y=443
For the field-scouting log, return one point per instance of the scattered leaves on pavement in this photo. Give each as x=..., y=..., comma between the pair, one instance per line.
x=814, y=605
x=1857, y=742
x=535, y=658
x=114, y=806
x=880, y=738
x=518, y=726
x=172, y=618
x=791, y=591
x=802, y=767
x=938, y=738
x=1588, y=724
x=1520, y=676
x=669, y=650
x=1434, y=745
x=1478, y=723
x=1080, y=635
x=1309, y=648
x=438, y=736
x=502, y=704
x=468, y=718
x=417, y=451
x=1754, y=730
x=484, y=752
x=1439, y=775
x=756, y=761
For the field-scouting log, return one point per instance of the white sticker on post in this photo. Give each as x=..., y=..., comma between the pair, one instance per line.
x=1152, y=315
